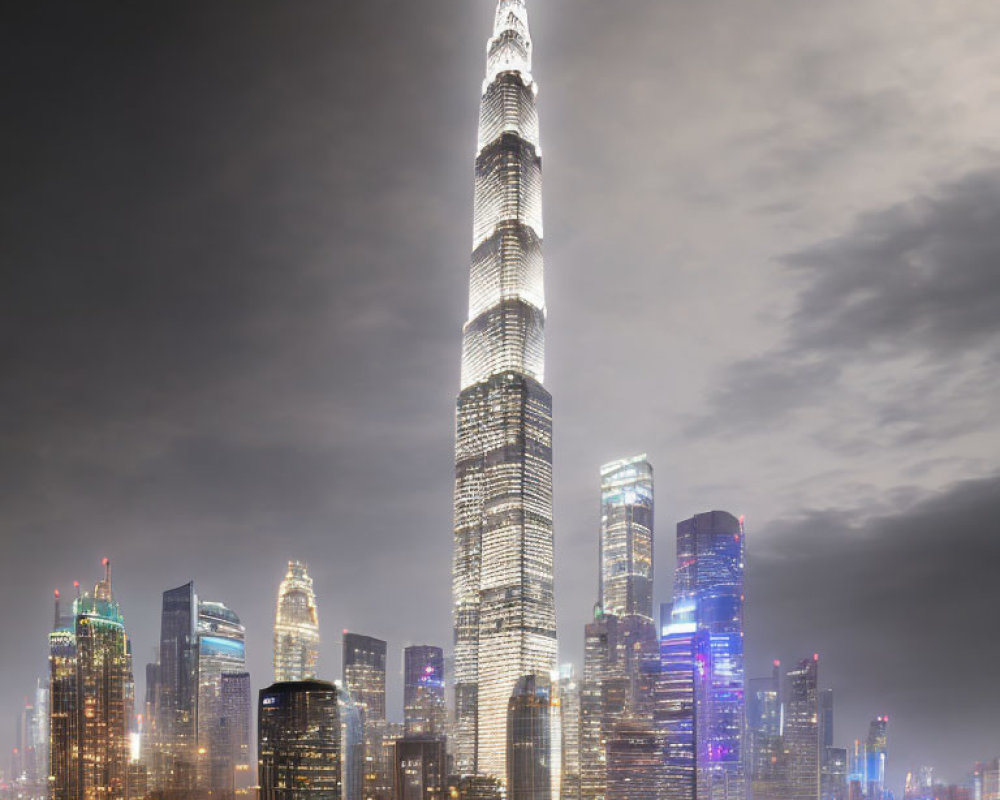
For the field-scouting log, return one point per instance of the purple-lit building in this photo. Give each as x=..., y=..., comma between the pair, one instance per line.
x=709, y=582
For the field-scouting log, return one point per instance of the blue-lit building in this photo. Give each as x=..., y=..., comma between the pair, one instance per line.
x=707, y=617
x=222, y=718
x=673, y=700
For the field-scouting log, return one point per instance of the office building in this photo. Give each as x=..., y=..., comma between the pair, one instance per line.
x=504, y=603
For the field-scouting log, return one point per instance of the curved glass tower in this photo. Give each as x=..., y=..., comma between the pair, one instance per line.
x=502, y=580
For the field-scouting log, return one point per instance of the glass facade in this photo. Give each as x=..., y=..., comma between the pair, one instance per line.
x=530, y=764
x=706, y=632
x=364, y=679
x=296, y=627
x=626, y=552
x=301, y=742
x=423, y=691
x=92, y=695
x=174, y=729
x=569, y=704
x=420, y=769
x=222, y=720
x=802, y=734
x=503, y=544
x=635, y=760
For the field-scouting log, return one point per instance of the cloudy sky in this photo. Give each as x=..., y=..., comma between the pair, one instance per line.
x=235, y=243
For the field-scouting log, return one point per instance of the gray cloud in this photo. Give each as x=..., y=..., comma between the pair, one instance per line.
x=915, y=283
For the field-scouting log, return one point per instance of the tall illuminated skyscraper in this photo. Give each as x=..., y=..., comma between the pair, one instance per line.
x=801, y=728
x=91, y=679
x=173, y=767
x=364, y=678
x=627, y=538
x=505, y=624
x=708, y=585
x=296, y=627
x=221, y=717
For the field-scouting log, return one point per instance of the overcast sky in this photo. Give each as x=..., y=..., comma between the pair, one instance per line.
x=235, y=240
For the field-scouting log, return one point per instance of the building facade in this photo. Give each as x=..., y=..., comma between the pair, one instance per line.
x=221, y=718
x=420, y=772
x=296, y=627
x=801, y=729
x=424, y=712
x=364, y=679
x=92, y=689
x=304, y=742
x=504, y=603
x=626, y=548
x=530, y=766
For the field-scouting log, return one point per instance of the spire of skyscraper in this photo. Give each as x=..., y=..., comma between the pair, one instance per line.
x=503, y=571
x=296, y=627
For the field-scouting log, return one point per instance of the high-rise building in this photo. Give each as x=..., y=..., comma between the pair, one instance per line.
x=877, y=757
x=235, y=702
x=503, y=558
x=424, y=711
x=802, y=734
x=92, y=693
x=833, y=773
x=420, y=768
x=304, y=748
x=765, y=746
x=530, y=765
x=220, y=720
x=626, y=551
x=710, y=566
x=173, y=769
x=674, y=700
x=63, y=707
x=364, y=678
x=296, y=627
x=635, y=760
x=569, y=705
x=832, y=760
x=600, y=664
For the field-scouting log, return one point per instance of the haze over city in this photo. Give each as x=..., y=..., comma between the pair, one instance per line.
x=237, y=245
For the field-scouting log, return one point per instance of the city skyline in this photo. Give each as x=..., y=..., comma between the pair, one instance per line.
x=309, y=374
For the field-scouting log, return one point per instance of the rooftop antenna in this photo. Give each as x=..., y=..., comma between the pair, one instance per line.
x=57, y=615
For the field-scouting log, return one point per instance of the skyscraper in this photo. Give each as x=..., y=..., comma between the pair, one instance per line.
x=503, y=557
x=709, y=575
x=626, y=550
x=173, y=769
x=423, y=691
x=569, y=705
x=302, y=751
x=674, y=700
x=364, y=678
x=296, y=627
x=529, y=740
x=91, y=680
x=766, y=750
x=220, y=719
x=877, y=757
x=236, y=715
x=600, y=664
x=635, y=760
x=802, y=735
